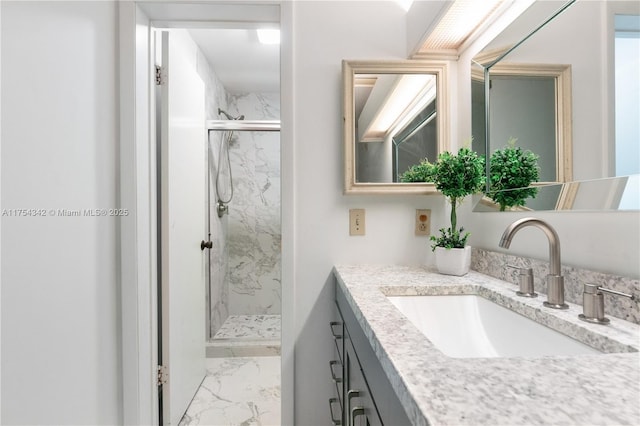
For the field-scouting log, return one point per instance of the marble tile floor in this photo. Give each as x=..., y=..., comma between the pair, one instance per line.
x=250, y=327
x=243, y=391
x=246, y=336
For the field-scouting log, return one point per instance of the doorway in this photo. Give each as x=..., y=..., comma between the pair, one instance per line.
x=240, y=222
x=165, y=17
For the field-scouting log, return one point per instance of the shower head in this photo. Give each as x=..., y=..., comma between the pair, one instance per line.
x=229, y=116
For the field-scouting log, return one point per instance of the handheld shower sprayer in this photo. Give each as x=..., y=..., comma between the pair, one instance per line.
x=222, y=205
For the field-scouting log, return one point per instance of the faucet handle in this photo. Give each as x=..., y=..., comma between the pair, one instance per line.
x=525, y=280
x=593, y=303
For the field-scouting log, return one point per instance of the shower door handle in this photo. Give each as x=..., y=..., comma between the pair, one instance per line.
x=206, y=244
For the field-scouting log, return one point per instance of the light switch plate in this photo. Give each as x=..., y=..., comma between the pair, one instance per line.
x=423, y=222
x=356, y=222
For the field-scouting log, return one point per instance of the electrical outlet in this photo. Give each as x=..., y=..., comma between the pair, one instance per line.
x=423, y=222
x=356, y=222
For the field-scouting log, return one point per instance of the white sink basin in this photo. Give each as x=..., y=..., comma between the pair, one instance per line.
x=469, y=326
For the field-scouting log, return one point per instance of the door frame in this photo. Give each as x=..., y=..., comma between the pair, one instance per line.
x=137, y=192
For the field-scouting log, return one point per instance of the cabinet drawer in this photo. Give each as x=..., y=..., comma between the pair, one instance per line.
x=337, y=375
x=336, y=367
x=359, y=407
x=337, y=332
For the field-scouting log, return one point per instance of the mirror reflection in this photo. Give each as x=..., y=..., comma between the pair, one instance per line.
x=616, y=193
x=598, y=43
x=394, y=118
x=531, y=104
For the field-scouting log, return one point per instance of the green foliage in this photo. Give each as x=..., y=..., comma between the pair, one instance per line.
x=450, y=239
x=511, y=172
x=422, y=172
x=457, y=176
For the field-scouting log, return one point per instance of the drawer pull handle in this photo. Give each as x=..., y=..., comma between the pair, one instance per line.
x=333, y=375
x=351, y=394
x=333, y=419
x=333, y=333
x=357, y=411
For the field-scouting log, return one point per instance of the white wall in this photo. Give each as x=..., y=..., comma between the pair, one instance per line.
x=60, y=310
x=357, y=30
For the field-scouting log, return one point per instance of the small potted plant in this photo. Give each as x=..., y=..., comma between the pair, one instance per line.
x=455, y=176
x=511, y=172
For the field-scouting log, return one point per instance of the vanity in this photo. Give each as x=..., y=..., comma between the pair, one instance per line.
x=399, y=376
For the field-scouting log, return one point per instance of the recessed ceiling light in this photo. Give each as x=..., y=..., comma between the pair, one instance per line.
x=269, y=36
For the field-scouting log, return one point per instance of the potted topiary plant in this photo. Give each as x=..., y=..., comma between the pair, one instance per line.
x=511, y=172
x=456, y=176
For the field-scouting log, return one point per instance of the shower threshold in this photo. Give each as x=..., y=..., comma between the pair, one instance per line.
x=246, y=336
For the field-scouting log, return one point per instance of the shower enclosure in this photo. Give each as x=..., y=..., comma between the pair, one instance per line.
x=244, y=286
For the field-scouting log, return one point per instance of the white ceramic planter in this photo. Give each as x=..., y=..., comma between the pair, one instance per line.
x=453, y=261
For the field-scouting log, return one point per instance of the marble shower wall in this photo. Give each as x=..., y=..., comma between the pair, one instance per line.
x=245, y=258
x=254, y=235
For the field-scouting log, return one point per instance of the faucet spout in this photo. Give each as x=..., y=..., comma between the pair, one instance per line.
x=552, y=235
x=555, y=281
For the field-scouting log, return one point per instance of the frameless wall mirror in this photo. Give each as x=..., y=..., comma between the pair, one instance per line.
x=586, y=48
x=394, y=117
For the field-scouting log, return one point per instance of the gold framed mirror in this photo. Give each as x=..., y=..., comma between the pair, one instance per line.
x=395, y=114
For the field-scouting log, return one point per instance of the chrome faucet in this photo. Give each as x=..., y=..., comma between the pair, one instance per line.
x=555, y=281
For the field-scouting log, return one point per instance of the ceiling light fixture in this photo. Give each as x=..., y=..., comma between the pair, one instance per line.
x=269, y=36
x=461, y=20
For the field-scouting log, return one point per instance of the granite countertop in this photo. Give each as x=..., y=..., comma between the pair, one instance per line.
x=439, y=390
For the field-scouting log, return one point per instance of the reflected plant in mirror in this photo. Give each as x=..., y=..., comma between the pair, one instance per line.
x=511, y=172
x=421, y=172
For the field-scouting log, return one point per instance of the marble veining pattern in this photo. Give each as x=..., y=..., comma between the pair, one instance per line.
x=254, y=234
x=245, y=259
x=253, y=327
x=246, y=336
x=230, y=349
x=438, y=390
x=494, y=264
x=237, y=391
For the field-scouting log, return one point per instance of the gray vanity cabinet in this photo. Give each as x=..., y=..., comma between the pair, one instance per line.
x=363, y=396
